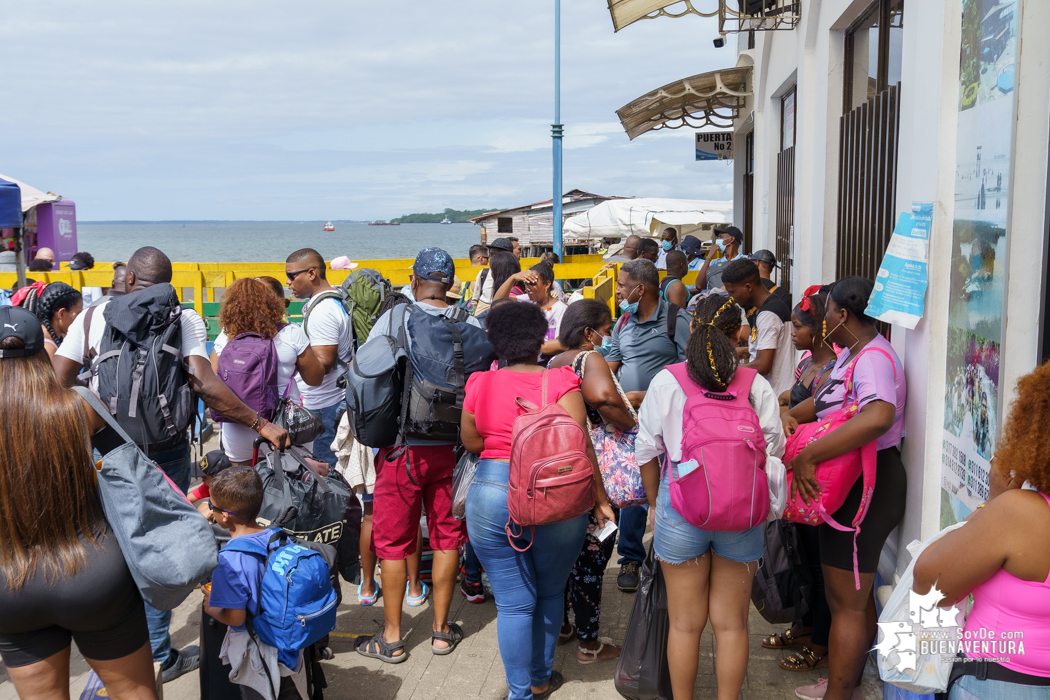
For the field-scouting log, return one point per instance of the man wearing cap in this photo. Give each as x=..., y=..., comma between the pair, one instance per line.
x=694, y=252
x=728, y=241
x=330, y=330
x=668, y=242
x=399, y=497
x=211, y=465
x=766, y=262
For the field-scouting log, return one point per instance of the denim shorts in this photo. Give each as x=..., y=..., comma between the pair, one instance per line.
x=676, y=541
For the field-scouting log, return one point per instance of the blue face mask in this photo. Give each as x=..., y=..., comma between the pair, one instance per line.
x=667, y=245
x=629, y=308
x=721, y=244
x=606, y=345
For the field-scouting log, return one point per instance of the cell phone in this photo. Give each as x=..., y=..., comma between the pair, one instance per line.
x=607, y=529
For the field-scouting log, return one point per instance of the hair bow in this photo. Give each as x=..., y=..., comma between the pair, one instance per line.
x=810, y=291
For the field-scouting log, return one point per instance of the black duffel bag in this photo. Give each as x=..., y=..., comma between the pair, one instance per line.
x=327, y=509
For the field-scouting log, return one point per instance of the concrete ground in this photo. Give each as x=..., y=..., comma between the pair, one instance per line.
x=474, y=670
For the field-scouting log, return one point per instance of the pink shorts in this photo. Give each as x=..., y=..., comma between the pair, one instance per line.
x=398, y=502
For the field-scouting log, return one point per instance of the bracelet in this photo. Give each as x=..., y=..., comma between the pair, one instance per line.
x=264, y=424
x=255, y=425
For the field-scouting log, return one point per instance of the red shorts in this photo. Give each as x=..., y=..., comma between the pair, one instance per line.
x=398, y=502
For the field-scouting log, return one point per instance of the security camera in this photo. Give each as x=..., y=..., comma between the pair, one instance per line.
x=720, y=41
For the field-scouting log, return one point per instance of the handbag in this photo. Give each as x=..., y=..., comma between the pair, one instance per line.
x=462, y=478
x=302, y=424
x=167, y=544
x=642, y=672
x=615, y=451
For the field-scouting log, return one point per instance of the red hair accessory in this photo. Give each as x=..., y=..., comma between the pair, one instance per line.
x=810, y=291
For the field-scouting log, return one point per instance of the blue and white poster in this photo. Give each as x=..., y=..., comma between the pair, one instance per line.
x=900, y=285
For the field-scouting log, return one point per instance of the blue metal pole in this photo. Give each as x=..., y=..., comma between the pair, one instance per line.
x=556, y=132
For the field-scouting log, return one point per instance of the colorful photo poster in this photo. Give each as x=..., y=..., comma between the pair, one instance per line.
x=899, y=296
x=979, y=253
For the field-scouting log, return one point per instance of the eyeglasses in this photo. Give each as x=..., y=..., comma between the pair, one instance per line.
x=293, y=275
x=221, y=510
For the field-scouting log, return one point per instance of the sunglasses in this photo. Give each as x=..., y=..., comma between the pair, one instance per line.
x=293, y=275
x=221, y=510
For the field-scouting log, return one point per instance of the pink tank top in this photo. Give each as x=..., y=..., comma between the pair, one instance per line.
x=1009, y=623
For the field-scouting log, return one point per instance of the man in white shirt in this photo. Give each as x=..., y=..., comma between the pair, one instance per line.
x=668, y=242
x=149, y=269
x=330, y=330
x=770, y=349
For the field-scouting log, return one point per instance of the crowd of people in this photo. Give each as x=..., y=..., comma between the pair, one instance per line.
x=627, y=384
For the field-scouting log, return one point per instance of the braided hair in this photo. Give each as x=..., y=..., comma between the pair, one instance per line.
x=710, y=356
x=55, y=297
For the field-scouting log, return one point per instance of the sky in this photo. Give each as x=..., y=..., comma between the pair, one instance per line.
x=345, y=109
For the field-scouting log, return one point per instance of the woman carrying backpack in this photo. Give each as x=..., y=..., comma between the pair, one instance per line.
x=708, y=573
x=56, y=307
x=878, y=387
x=528, y=575
x=252, y=306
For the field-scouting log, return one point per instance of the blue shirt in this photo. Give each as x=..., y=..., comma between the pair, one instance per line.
x=236, y=580
x=645, y=347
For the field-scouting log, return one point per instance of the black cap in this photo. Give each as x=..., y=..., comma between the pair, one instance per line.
x=19, y=323
x=214, y=462
x=732, y=231
x=691, y=245
x=765, y=256
x=75, y=264
x=502, y=244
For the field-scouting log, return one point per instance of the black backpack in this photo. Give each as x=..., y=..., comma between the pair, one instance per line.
x=141, y=378
x=782, y=589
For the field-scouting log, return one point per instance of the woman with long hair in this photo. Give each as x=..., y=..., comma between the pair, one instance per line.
x=708, y=573
x=502, y=266
x=62, y=574
x=56, y=307
x=879, y=389
x=538, y=281
x=1002, y=557
x=252, y=306
x=585, y=326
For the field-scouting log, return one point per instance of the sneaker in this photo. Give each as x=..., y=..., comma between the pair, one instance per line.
x=627, y=581
x=813, y=692
x=188, y=659
x=473, y=592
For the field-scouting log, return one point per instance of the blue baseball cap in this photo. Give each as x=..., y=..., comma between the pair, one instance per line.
x=434, y=264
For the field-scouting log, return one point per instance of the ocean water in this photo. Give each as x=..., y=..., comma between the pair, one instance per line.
x=271, y=241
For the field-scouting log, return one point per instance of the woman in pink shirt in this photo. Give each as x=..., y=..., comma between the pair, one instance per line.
x=1002, y=557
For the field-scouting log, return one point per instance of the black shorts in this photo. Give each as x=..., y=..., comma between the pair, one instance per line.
x=885, y=511
x=99, y=607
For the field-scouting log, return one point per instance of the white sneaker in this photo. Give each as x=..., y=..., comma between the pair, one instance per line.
x=813, y=692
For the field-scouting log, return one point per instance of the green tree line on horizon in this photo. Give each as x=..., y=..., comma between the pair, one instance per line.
x=455, y=216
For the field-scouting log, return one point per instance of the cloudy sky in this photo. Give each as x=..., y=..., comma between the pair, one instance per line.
x=340, y=109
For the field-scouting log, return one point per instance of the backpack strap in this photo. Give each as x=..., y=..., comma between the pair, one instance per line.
x=247, y=545
x=327, y=294
x=737, y=392
x=87, y=363
x=672, y=321
x=623, y=321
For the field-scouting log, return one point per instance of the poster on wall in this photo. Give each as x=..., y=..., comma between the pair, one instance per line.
x=979, y=253
x=899, y=296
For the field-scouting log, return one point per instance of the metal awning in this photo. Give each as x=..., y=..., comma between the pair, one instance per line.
x=625, y=12
x=709, y=99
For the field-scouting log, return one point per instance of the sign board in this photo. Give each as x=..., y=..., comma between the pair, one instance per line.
x=900, y=285
x=714, y=145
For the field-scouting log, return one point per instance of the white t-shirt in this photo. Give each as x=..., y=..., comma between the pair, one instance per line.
x=194, y=336
x=91, y=295
x=770, y=333
x=483, y=292
x=554, y=312
x=290, y=343
x=329, y=325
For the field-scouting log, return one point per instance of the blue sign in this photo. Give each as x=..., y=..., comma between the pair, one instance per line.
x=10, y=205
x=899, y=296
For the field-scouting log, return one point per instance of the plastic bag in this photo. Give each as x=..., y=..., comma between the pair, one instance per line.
x=776, y=476
x=462, y=477
x=911, y=631
x=641, y=671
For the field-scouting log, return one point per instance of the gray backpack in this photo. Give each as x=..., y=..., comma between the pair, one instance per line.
x=168, y=546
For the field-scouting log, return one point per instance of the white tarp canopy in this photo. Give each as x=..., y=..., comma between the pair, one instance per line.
x=31, y=196
x=646, y=216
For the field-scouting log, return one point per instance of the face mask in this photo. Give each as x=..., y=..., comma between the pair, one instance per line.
x=606, y=345
x=629, y=308
x=667, y=245
x=721, y=244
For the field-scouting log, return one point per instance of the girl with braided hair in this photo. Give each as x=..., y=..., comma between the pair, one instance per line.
x=708, y=573
x=56, y=307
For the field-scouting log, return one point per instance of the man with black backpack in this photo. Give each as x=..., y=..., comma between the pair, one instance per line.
x=440, y=346
x=329, y=326
x=147, y=361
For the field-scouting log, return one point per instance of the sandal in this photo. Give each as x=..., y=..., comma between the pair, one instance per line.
x=384, y=650
x=556, y=681
x=367, y=600
x=454, y=636
x=421, y=600
x=804, y=660
x=566, y=637
x=593, y=654
x=784, y=640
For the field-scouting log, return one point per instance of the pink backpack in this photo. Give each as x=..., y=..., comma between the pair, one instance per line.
x=837, y=475
x=728, y=491
x=551, y=476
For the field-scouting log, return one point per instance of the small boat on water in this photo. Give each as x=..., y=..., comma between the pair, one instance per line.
x=446, y=220
x=329, y=226
x=384, y=223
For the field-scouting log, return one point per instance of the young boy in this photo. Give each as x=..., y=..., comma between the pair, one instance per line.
x=232, y=597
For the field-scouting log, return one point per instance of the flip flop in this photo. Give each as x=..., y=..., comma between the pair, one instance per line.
x=566, y=637
x=368, y=600
x=453, y=637
x=804, y=660
x=416, y=602
x=784, y=640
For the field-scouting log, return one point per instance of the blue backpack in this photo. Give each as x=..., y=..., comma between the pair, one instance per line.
x=297, y=604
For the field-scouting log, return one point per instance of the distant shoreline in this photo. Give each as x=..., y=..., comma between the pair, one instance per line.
x=237, y=221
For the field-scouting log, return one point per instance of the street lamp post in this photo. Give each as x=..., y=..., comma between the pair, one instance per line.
x=556, y=132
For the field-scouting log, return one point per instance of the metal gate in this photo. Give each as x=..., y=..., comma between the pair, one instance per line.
x=785, y=214
x=867, y=183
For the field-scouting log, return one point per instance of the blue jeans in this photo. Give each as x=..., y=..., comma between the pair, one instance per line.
x=969, y=688
x=176, y=464
x=632, y=529
x=323, y=445
x=471, y=565
x=529, y=586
